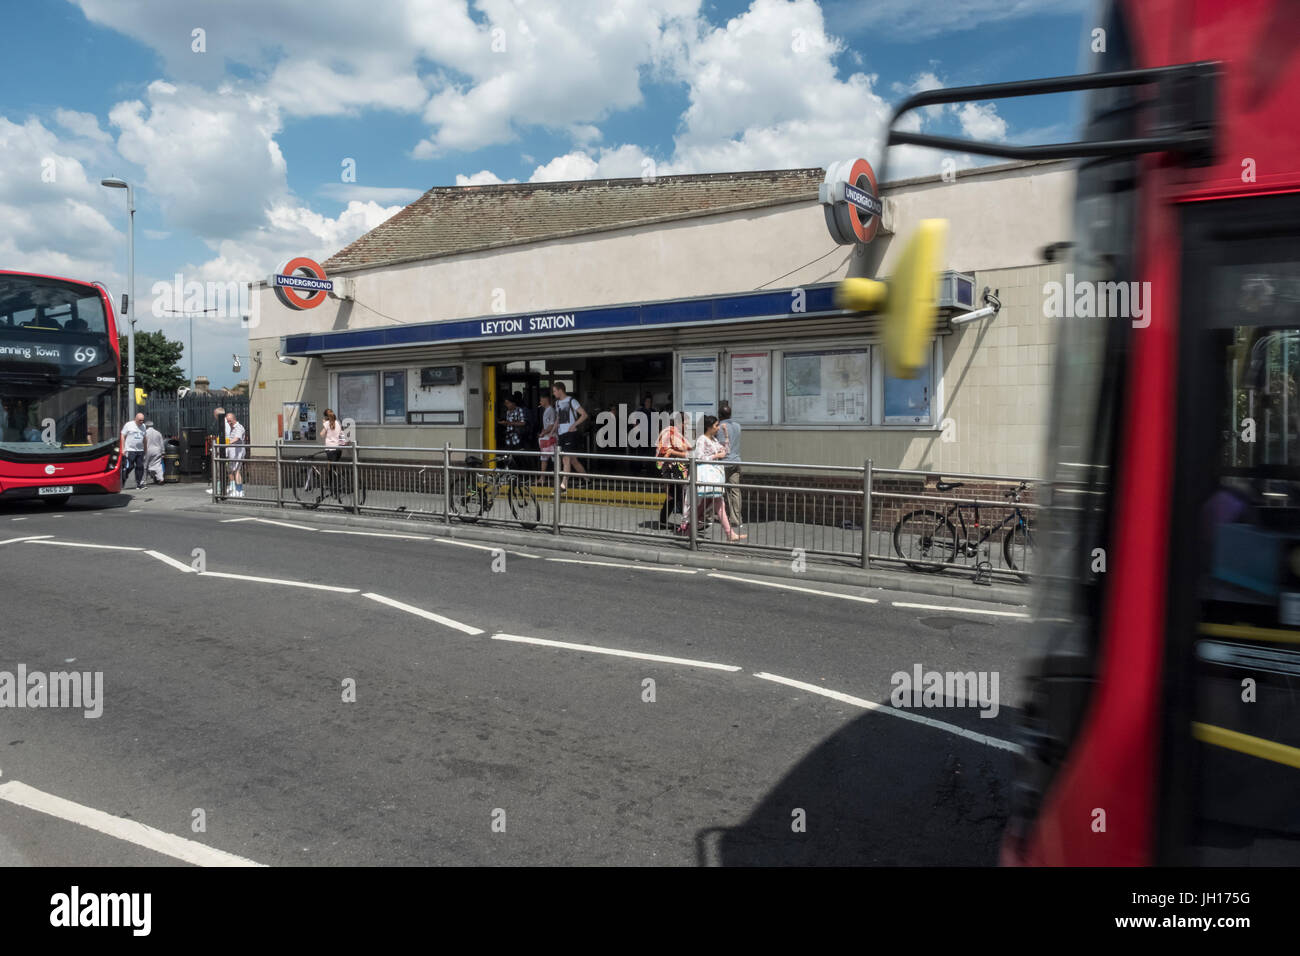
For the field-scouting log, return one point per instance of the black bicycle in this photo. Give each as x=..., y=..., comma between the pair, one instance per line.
x=927, y=539
x=483, y=488
x=314, y=480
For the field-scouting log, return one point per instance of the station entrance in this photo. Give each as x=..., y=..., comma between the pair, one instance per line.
x=599, y=383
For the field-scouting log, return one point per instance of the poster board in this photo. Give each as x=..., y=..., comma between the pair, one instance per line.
x=751, y=387
x=826, y=387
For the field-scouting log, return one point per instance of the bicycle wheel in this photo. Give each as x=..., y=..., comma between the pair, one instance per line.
x=523, y=504
x=307, y=486
x=925, y=536
x=471, y=502
x=1018, y=549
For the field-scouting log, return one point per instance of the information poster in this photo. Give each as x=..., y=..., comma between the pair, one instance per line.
x=751, y=387
x=907, y=400
x=699, y=378
x=359, y=397
x=394, y=398
x=826, y=388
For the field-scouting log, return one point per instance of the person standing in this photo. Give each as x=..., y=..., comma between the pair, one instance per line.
x=729, y=434
x=216, y=438
x=236, y=450
x=546, y=437
x=331, y=432
x=153, y=453
x=133, y=449
x=569, y=417
x=516, y=427
x=672, y=449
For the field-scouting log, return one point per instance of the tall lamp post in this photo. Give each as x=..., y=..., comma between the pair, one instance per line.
x=191, y=316
x=115, y=183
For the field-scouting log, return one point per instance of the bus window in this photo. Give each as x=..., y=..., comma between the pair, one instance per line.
x=1234, y=622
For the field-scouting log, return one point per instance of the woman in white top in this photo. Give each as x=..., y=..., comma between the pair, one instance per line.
x=332, y=432
x=709, y=478
x=236, y=450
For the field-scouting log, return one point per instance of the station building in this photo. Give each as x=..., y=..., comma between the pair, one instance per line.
x=691, y=289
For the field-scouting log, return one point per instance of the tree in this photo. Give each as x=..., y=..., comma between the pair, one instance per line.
x=157, y=362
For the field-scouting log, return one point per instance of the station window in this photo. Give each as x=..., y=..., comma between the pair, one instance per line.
x=908, y=401
x=358, y=397
x=394, y=397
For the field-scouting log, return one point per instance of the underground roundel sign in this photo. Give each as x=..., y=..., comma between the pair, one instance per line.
x=852, y=201
x=301, y=284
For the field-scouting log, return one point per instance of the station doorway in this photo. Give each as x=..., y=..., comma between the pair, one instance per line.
x=599, y=383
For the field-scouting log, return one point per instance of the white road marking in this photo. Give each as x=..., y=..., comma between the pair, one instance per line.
x=288, y=584
x=77, y=544
x=485, y=547
x=285, y=524
x=20, y=519
x=168, y=844
x=31, y=537
x=427, y=615
x=378, y=534
x=964, y=610
x=235, y=520
x=871, y=705
x=631, y=566
x=613, y=652
x=178, y=565
x=795, y=587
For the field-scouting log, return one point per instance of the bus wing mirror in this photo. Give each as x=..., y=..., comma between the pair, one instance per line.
x=907, y=299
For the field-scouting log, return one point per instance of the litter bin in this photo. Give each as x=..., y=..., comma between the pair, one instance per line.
x=172, y=461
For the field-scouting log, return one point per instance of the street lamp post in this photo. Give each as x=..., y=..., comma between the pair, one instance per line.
x=115, y=183
x=191, y=315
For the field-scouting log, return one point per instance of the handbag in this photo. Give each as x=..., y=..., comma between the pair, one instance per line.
x=710, y=474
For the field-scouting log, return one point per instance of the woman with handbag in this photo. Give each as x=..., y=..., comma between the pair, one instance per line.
x=671, y=451
x=710, y=478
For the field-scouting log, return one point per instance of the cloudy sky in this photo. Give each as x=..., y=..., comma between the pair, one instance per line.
x=240, y=138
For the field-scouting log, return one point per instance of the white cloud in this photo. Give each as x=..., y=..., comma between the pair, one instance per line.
x=484, y=177
x=570, y=166
x=981, y=121
x=902, y=17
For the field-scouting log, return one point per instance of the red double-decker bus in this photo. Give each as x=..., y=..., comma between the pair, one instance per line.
x=1163, y=724
x=59, y=402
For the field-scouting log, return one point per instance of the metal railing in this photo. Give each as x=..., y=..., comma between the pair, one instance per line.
x=839, y=512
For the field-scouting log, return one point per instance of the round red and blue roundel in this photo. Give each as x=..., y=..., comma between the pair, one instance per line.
x=861, y=195
x=301, y=284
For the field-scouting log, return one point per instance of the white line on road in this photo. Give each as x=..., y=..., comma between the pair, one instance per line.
x=236, y=520
x=871, y=705
x=613, y=652
x=964, y=610
x=379, y=534
x=178, y=565
x=288, y=584
x=77, y=544
x=168, y=844
x=631, y=566
x=427, y=615
x=285, y=524
x=795, y=587
x=21, y=519
x=485, y=547
x=30, y=537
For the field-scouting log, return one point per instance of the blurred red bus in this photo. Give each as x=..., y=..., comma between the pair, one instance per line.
x=1163, y=724
x=59, y=403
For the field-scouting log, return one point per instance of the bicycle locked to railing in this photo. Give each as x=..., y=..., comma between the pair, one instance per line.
x=315, y=478
x=486, y=481
x=928, y=539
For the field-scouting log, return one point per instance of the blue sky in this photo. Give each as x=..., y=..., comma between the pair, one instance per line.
x=237, y=150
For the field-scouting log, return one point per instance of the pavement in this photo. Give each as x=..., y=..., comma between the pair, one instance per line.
x=285, y=689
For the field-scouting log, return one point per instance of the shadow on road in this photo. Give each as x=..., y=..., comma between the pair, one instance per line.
x=881, y=792
x=34, y=506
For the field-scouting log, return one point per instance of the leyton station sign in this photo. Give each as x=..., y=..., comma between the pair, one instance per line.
x=301, y=284
x=852, y=202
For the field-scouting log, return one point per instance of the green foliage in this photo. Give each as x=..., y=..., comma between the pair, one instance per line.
x=157, y=362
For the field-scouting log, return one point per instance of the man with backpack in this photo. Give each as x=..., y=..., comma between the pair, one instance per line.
x=570, y=417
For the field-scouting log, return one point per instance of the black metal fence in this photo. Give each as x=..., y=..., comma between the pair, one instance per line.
x=170, y=413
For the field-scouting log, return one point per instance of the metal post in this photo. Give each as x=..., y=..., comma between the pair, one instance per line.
x=694, y=502
x=279, y=475
x=356, y=481
x=446, y=482
x=866, y=515
x=555, y=514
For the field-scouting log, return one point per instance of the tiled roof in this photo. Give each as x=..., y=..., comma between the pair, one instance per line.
x=455, y=219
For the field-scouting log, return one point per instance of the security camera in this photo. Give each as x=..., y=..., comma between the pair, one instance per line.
x=284, y=359
x=183, y=391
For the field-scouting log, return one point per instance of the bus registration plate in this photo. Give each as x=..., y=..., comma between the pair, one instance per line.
x=55, y=490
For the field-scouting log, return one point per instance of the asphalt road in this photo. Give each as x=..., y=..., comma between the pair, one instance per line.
x=477, y=733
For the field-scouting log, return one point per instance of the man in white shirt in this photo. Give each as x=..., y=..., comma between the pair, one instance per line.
x=570, y=417
x=235, y=451
x=133, y=445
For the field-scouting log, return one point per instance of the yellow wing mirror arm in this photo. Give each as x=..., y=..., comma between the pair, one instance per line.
x=907, y=300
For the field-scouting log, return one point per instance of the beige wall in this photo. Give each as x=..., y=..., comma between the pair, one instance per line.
x=995, y=372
